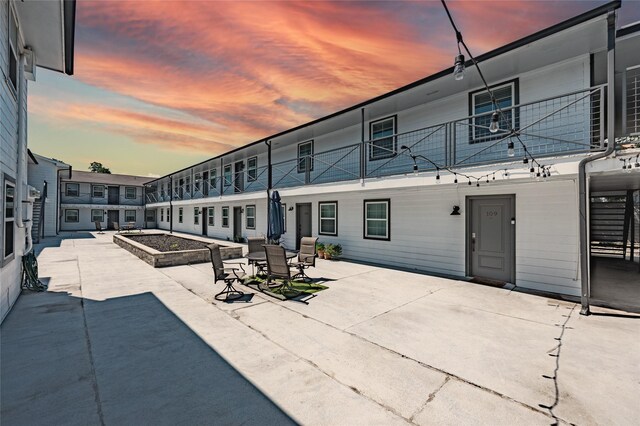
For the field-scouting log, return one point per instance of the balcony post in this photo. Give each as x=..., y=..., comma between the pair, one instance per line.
x=269, y=172
x=307, y=170
x=222, y=180
x=171, y=204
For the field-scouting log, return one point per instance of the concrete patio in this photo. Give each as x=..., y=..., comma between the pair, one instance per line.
x=115, y=341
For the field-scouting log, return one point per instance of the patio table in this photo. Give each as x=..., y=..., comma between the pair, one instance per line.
x=262, y=257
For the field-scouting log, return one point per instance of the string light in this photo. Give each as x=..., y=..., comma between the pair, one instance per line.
x=437, y=175
x=532, y=172
x=495, y=121
x=637, y=163
x=511, y=149
x=458, y=67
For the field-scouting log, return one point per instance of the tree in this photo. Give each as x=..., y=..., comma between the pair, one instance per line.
x=96, y=167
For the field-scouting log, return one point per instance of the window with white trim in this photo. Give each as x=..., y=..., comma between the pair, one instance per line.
x=72, y=190
x=383, y=142
x=213, y=175
x=97, y=191
x=129, y=215
x=14, y=49
x=251, y=216
x=9, y=219
x=72, y=215
x=252, y=169
x=196, y=216
x=225, y=217
x=305, y=153
x=227, y=175
x=211, y=214
x=130, y=192
x=151, y=215
x=196, y=182
x=482, y=107
x=376, y=219
x=180, y=215
x=97, y=215
x=328, y=218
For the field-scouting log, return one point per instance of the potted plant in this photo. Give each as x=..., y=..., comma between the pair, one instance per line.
x=320, y=249
x=328, y=251
x=337, y=250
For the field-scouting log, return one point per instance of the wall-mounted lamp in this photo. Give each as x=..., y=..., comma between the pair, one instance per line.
x=241, y=210
x=290, y=209
x=456, y=211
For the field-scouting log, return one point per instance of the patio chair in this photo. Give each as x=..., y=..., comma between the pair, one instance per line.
x=255, y=246
x=278, y=267
x=306, y=258
x=99, y=227
x=116, y=227
x=228, y=275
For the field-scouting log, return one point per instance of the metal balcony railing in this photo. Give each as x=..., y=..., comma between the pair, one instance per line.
x=566, y=124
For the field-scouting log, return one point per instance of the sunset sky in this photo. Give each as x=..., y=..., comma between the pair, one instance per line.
x=159, y=85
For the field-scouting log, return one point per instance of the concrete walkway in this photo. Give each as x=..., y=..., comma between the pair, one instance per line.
x=115, y=341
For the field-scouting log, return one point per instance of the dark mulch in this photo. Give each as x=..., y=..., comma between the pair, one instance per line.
x=167, y=243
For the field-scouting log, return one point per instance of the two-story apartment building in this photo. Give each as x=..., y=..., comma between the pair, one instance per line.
x=32, y=34
x=86, y=198
x=419, y=177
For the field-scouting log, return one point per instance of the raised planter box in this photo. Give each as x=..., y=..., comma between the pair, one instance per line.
x=159, y=259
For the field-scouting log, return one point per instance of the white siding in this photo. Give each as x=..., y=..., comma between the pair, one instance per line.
x=10, y=272
x=86, y=224
x=37, y=175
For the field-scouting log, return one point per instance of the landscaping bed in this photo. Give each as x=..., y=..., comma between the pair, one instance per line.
x=166, y=243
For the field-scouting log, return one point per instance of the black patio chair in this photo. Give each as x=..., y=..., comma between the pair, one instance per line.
x=278, y=268
x=306, y=258
x=99, y=227
x=228, y=275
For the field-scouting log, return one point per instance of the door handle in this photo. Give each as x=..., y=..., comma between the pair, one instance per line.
x=473, y=241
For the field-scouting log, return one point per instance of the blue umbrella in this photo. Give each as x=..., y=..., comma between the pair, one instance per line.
x=276, y=221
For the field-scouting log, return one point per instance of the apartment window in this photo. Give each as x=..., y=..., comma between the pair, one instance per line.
x=482, y=108
x=180, y=215
x=213, y=175
x=328, y=218
x=252, y=169
x=9, y=218
x=72, y=216
x=129, y=215
x=97, y=215
x=196, y=182
x=227, y=175
x=225, y=217
x=13, y=49
x=632, y=100
x=376, y=219
x=72, y=190
x=210, y=212
x=97, y=191
x=251, y=217
x=196, y=216
x=161, y=215
x=305, y=152
x=151, y=215
x=383, y=141
x=130, y=192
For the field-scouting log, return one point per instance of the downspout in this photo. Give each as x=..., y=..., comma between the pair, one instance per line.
x=582, y=171
x=21, y=172
x=171, y=204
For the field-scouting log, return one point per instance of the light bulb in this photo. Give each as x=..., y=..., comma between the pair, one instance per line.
x=495, y=125
x=478, y=184
x=538, y=175
x=455, y=178
x=637, y=164
x=458, y=67
x=511, y=149
x=438, y=178
x=525, y=160
x=532, y=172
x=469, y=183
x=415, y=168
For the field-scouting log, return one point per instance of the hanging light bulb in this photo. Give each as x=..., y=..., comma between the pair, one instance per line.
x=511, y=149
x=495, y=125
x=469, y=182
x=415, y=167
x=629, y=166
x=549, y=172
x=487, y=179
x=478, y=183
x=455, y=178
x=494, y=176
x=538, y=175
x=525, y=160
x=437, y=176
x=505, y=174
x=637, y=164
x=532, y=172
x=458, y=67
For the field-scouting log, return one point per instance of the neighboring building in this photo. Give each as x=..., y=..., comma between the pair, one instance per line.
x=347, y=178
x=44, y=174
x=32, y=34
x=88, y=197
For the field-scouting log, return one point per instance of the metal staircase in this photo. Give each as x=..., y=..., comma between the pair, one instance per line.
x=613, y=225
x=37, y=229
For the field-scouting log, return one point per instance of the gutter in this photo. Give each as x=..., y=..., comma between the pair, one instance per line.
x=583, y=202
x=59, y=196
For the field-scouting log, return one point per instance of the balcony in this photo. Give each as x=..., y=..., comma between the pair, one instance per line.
x=568, y=124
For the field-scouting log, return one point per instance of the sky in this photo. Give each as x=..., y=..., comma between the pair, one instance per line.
x=160, y=85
